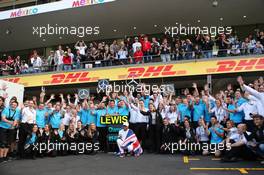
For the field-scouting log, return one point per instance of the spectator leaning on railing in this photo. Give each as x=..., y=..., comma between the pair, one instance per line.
x=67, y=61
x=258, y=49
x=58, y=58
x=223, y=45
x=51, y=61
x=138, y=56
x=207, y=46
x=80, y=45
x=36, y=63
x=146, y=48
x=165, y=50
x=122, y=52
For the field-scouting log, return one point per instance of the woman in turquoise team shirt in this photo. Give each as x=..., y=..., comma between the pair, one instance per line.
x=31, y=142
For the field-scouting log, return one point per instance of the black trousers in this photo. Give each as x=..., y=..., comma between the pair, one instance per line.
x=141, y=133
x=250, y=125
x=240, y=151
x=195, y=124
x=31, y=152
x=132, y=126
x=24, y=130
x=103, y=138
x=154, y=140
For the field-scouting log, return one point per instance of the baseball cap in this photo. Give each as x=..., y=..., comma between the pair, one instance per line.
x=256, y=116
x=126, y=124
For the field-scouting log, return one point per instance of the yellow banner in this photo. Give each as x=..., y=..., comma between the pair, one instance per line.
x=143, y=72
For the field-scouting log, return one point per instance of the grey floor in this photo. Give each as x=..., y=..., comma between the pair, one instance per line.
x=109, y=164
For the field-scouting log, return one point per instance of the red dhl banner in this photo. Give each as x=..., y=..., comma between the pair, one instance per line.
x=143, y=72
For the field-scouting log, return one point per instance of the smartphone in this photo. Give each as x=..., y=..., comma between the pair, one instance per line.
x=43, y=89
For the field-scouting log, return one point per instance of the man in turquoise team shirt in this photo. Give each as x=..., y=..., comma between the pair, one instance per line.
x=9, y=121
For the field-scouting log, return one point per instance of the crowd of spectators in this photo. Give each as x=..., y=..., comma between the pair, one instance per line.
x=232, y=117
x=138, y=50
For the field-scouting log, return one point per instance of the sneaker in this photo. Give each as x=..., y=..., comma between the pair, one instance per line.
x=137, y=155
x=6, y=159
x=122, y=155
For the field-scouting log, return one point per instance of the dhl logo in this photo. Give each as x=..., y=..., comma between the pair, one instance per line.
x=151, y=71
x=12, y=80
x=234, y=66
x=70, y=78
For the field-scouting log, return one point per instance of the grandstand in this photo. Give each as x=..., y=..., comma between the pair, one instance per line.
x=119, y=20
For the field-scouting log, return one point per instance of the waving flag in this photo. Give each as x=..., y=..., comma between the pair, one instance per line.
x=132, y=144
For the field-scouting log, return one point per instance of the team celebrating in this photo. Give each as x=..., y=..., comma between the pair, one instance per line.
x=233, y=117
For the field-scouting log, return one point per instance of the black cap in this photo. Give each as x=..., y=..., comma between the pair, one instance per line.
x=256, y=116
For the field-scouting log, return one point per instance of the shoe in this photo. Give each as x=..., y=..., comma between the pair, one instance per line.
x=18, y=158
x=136, y=155
x=6, y=159
x=233, y=159
x=122, y=155
x=1, y=160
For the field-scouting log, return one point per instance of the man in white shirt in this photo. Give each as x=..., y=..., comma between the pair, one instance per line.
x=136, y=44
x=259, y=95
x=249, y=108
x=36, y=63
x=236, y=145
x=132, y=118
x=28, y=119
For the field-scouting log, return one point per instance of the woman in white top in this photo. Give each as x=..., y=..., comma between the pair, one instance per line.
x=59, y=58
x=74, y=117
x=172, y=114
x=162, y=109
x=81, y=46
x=219, y=111
x=122, y=55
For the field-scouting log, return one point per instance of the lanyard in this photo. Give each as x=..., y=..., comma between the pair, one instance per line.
x=9, y=116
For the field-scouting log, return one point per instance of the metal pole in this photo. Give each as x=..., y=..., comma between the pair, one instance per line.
x=209, y=82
